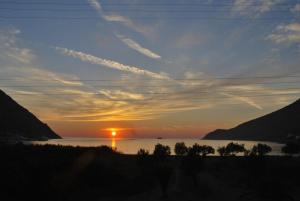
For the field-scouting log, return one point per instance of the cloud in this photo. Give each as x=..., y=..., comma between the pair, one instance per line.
x=137, y=47
x=253, y=8
x=296, y=9
x=119, y=94
x=191, y=39
x=8, y=38
x=111, y=64
x=289, y=33
x=244, y=99
x=126, y=21
x=65, y=97
x=95, y=4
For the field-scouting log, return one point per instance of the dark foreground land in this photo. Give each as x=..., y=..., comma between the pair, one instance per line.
x=69, y=173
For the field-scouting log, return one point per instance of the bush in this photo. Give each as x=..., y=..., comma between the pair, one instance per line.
x=234, y=148
x=180, y=149
x=260, y=150
x=222, y=151
x=291, y=148
x=205, y=150
x=231, y=149
x=161, y=151
x=194, y=150
x=143, y=152
x=143, y=158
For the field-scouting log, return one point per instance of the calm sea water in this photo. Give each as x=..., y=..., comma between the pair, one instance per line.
x=131, y=146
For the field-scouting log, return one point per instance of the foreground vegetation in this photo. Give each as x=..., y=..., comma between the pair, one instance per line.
x=49, y=172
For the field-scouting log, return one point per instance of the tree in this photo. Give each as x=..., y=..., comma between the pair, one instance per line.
x=222, y=151
x=180, y=149
x=247, y=152
x=161, y=151
x=205, y=150
x=143, y=152
x=234, y=148
x=291, y=148
x=195, y=150
x=260, y=149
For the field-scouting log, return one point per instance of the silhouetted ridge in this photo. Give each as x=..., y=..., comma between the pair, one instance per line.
x=276, y=126
x=18, y=122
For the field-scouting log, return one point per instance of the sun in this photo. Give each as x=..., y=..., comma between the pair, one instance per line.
x=113, y=133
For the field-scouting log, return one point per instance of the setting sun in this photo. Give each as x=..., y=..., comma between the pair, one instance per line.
x=113, y=133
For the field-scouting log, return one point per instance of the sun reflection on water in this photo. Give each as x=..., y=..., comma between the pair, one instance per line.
x=113, y=143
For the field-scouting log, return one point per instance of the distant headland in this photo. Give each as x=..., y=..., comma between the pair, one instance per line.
x=277, y=126
x=17, y=123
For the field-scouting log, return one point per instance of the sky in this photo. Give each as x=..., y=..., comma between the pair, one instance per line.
x=169, y=68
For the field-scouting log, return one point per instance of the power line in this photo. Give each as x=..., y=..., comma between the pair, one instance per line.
x=178, y=79
x=230, y=3
x=146, y=18
x=134, y=10
x=149, y=85
x=176, y=98
x=187, y=92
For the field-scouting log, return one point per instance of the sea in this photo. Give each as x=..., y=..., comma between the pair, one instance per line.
x=132, y=145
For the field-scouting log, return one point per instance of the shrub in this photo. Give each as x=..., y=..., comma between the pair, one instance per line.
x=143, y=158
x=180, y=149
x=205, y=150
x=143, y=152
x=234, y=148
x=260, y=150
x=194, y=150
x=291, y=148
x=161, y=150
x=222, y=151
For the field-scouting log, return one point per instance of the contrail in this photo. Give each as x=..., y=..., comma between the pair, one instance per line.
x=244, y=99
x=137, y=47
x=115, y=17
x=110, y=64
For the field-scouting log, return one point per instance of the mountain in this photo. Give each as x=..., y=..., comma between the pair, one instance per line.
x=276, y=126
x=16, y=122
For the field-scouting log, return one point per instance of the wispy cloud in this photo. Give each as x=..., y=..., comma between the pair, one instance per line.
x=111, y=64
x=288, y=33
x=254, y=8
x=96, y=5
x=244, y=99
x=126, y=21
x=119, y=94
x=137, y=47
x=296, y=9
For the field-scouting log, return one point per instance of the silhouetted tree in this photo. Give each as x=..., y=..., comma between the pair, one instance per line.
x=260, y=150
x=291, y=148
x=144, y=161
x=222, y=151
x=234, y=148
x=247, y=152
x=180, y=149
x=142, y=155
x=205, y=150
x=161, y=151
x=195, y=150
x=142, y=152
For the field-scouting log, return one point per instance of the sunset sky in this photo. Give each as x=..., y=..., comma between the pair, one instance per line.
x=149, y=68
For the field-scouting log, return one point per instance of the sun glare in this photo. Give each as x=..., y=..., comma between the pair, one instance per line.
x=113, y=133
